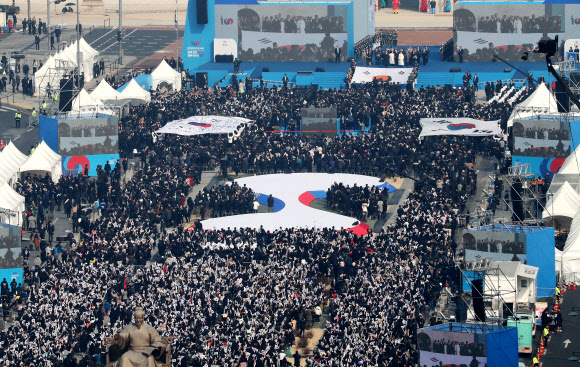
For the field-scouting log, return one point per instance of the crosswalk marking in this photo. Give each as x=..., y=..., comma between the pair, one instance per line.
x=10, y=108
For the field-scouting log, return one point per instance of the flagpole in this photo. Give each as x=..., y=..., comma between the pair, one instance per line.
x=176, y=40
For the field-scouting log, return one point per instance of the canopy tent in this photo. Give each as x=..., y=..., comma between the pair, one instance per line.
x=562, y=207
x=568, y=172
x=198, y=125
x=165, y=73
x=10, y=161
x=43, y=160
x=104, y=92
x=85, y=104
x=89, y=51
x=540, y=101
x=12, y=202
x=458, y=126
x=134, y=91
x=570, y=256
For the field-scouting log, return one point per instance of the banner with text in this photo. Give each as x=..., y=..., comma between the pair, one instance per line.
x=198, y=125
x=458, y=126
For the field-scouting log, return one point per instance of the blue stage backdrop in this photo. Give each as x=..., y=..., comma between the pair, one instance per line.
x=530, y=245
x=84, y=141
x=277, y=31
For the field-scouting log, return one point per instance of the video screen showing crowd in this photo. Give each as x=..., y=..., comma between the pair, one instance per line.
x=505, y=30
x=307, y=33
x=76, y=138
x=10, y=251
x=542, y=138
x=236, y=295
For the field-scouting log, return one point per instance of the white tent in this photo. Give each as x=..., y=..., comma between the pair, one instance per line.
x=10, y=161
x=562, y=207
x=11, y=200
x=165, y=73
x=43, y=160
x=89, y=51
x=104, y=92
x=82, y=100
x=570, y=256
x=540, y=101
x=13, y=153
x=134, y=91
x=88, y=58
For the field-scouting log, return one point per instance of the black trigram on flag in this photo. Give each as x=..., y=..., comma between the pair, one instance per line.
x=434, y=360
x=481, y=41
x=367, y=73
x=264, y=40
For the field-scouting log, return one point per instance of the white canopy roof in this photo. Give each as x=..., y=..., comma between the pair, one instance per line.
x=165, y=73
x=10, y=199
x=51, y=72
x=562, y=206
x=10, y=161
x=540, y=101
x=134, y=91
x=570, y=265
x=11, y=152
x=104, y=91
x=44, y=159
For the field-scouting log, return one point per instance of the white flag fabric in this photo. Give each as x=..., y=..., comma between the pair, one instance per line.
x=393, y=75
x=198, y=125
x=458, y=126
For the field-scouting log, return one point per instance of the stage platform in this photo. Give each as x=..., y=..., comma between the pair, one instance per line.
x=293, y=194
x=436, y=72
x=332, y=77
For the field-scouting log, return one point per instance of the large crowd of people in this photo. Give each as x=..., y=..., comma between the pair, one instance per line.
x=236, y=294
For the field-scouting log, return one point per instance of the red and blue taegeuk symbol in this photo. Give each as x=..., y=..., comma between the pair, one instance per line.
x=199, y=124
x=461, y=126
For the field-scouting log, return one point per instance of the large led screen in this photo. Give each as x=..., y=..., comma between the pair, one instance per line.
x=444, y=348
x=10, y=252
x=319, y=120
x=542, y=138
x=284, y=32
x=499, y=246
x=506, y=30
x=88, y=136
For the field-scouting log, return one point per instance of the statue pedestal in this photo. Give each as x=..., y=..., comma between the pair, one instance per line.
x=93, y=7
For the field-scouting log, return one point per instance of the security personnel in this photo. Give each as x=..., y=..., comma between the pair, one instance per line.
x=34, y=114
x=536, y=361
x=43, y=110
x=55, y=97
x=17, y=118
x=558, y=293
x=546, y=336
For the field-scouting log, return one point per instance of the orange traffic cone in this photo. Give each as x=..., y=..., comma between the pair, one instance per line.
x=2, y=143
x=1, y=30
x=557, y=306
x=574, y=285
x=561, y=289
x=569, y=287
x=541, y=350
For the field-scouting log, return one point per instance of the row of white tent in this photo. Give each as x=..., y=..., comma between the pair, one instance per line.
x=14, y=163
x=63, y=62
x=96, y=100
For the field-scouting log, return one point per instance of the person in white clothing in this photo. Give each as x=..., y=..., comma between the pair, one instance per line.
x=401, y=59
x=301, y=26
x=392, y=58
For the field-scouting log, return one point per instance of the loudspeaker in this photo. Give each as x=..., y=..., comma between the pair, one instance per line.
x=455, y=70
x=507, y=70
x=224, y=58
x=517, y=205
x=265, y=70
x=201, y=79
x=562, y=98
x=201, y=7
x=319, y=70
x=477, y=298
x=66, y=95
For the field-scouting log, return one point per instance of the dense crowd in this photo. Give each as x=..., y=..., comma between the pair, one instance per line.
x=361, y=201
x=237, y=295
x=223, y=200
